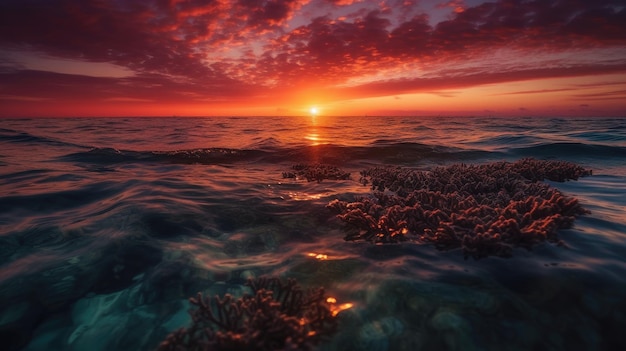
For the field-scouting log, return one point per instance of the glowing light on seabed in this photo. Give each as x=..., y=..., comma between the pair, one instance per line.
x=318, y=256
x=335, y=310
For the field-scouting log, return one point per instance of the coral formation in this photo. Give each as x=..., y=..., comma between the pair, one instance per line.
x=485, y=209
x=279, y=315
x=316, y=172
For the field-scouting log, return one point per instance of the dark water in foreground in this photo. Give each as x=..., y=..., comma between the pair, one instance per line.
x=108, y=225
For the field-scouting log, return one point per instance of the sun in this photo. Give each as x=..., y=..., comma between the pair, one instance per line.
x=314, y=110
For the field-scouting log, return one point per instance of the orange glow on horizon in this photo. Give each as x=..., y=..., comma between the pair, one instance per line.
x=574, y=96
x=586, y=95
x=311, y=58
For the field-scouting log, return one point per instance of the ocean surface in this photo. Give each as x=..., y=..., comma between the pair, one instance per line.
x=107, y=226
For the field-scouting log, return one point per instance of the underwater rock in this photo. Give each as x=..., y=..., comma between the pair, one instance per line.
x=167, y=225
x=376, y=335
x=8, y=248
x=445, y=320
x=170, y=280
x=230, y=218
x=316, y=172
x=17, y=322
x=122, y=261
x=58, y=285
x=39, y=237
x=455, y=330
x=486, y=210
x=116, y=321
x=484, y=302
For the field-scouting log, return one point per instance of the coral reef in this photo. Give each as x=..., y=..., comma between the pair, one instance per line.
x=279, y=315
x=485, y=209
x=316, y=172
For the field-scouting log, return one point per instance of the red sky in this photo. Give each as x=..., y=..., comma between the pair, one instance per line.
x=280, y=57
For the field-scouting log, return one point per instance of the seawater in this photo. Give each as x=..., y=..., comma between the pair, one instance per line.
x=107, y=226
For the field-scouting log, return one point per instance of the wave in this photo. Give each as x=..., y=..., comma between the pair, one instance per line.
x=269, y=152
x=200, y=156
x=571, y=150
x=63, y=199
x=607, y=135
x=14, y=136
x=507, y=140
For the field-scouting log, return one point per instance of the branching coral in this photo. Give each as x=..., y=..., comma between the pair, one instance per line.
x=485, y=209
x=277, y=316
x=316, y=172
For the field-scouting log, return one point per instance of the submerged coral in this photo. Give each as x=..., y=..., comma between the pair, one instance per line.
x=485, y=209
x=316, y=172
x=277, y=316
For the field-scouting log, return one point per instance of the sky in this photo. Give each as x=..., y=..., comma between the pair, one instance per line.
x=284, y=57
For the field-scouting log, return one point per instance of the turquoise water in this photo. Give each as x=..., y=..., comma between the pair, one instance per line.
x=107, y=226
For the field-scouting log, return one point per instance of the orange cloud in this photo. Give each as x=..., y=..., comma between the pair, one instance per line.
x=262, y=53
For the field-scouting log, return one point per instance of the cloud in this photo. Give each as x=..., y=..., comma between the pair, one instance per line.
x=131, y=34
x=607, y=95
x=196, y=49
x=338, y=50
x=540, y=91
x=457, y=6
x=344, y=2
x=263, y=14
x=470, y=79
x=411, y=38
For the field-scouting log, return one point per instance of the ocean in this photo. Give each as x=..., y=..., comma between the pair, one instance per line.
x=109, y=225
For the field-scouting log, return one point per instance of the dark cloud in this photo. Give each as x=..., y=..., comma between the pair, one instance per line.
x=178, y=46
x=342, y=44
x=65, y=87
x=532, y=24
x=411, y=38
x=327, y=48
x=264, y=14
x=146, y=37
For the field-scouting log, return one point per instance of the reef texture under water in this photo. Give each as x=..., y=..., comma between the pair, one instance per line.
x=485, y=209
x=279, y=315
x=316, y=172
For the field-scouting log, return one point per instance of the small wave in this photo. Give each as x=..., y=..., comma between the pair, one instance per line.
x=382, y=151
x=63, y=199
x=509, y=139
x=200, y=156
x=422, y=129
x=210, y=155
x=572, y=150
x=104, y=156
x=599, y=136
x=265, y=144
x=14, y=136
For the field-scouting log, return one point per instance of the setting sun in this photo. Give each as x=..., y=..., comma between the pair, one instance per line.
x=314, y=110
